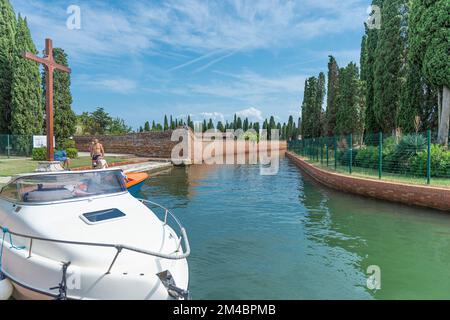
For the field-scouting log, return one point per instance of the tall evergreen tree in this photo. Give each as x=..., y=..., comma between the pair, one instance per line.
x=8, y=25
x=64, y=117
x=333, y=87
x=430, y=46
x=26, y=90
x=166, y=123
x=309, y=101
x=389, y=65
x=318, y=107
x=350, y=118
x=147, y=126
x=363, y=59
x=419, y=98
x=371, y=123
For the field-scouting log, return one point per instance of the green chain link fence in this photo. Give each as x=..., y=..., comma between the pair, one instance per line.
x=415, y=157
x=14, y=145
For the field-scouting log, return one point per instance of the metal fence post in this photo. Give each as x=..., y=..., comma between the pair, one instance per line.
x=8, y=148
x=351, y=153
x=321, y=150
x=335, y=153
x=380, y=155
x=429, y=157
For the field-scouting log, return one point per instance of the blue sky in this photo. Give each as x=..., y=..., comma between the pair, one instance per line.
x=143, y=59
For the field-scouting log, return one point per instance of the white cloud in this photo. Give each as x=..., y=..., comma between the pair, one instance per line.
x=252, y=113
x=118, y=85
x=215, y=116
x=143, y=27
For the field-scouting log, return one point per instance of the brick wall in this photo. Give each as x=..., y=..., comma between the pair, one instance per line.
x=423, y=196
x=147, y=144
x=157, y=144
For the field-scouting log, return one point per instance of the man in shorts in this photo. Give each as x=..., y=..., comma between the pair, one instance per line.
x=97, y=151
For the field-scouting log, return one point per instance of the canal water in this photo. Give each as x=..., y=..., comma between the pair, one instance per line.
x=286, y=237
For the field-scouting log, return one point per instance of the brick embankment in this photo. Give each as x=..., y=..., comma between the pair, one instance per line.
x=423, y=196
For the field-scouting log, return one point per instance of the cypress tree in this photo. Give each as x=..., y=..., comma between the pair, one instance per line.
x=26, y=90
x=210, y=124
x=166, y=123
x=8, y=25
x=371, y=123
x=64, y=117
x=363, y=59
x=389, y=53
x=147, y=126
x=239, y=123
x=333, y=87
x=350, y=118
x=431, y=38
x=318, y=107
x=309, y=121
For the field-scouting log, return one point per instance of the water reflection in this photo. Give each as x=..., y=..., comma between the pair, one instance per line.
x=286, y=237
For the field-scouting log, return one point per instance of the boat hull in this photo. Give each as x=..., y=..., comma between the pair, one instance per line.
x=135, y=182
x=95, y=272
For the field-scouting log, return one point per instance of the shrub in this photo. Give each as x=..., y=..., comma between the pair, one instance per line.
x=440, y=162
x=68, y=144
x=40, y=154
x=410, y=145
x=389, y=146
x=399, y=160
x=343, y=156
x=367, y=157
x=72, y=153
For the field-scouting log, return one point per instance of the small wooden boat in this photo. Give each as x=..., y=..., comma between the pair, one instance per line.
x=135, y=181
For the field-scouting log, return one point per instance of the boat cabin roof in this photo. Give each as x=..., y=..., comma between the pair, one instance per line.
x=39, y=188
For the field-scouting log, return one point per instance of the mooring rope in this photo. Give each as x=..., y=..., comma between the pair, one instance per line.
x=5, y=231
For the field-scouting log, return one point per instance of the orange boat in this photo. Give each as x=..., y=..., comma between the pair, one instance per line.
x=135, y=181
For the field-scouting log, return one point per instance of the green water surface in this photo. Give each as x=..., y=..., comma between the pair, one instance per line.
x=286, y=237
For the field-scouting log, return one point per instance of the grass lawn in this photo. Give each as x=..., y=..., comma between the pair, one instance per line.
x=10, y=167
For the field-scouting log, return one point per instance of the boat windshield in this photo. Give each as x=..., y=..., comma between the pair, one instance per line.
x=63, y=186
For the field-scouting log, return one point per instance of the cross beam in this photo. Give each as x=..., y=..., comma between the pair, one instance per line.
x=50, y=66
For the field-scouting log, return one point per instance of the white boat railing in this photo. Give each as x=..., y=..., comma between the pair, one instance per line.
x=119, y=247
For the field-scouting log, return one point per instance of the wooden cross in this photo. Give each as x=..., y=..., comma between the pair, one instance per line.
x=50, y=65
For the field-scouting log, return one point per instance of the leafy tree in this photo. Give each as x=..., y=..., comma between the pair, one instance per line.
x=8, y=26
x=26, y=90
x=101, y=120
x=118, y=126
x=147, y=126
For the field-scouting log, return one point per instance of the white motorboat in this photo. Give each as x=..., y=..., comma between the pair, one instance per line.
x=81, y=235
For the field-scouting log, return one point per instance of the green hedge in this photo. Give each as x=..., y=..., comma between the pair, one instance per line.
x=72, y=153
x=367, y=157
x=40, y=154
x=440, y=162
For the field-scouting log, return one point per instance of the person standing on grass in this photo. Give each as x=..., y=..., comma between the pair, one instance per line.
x=97, y=151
